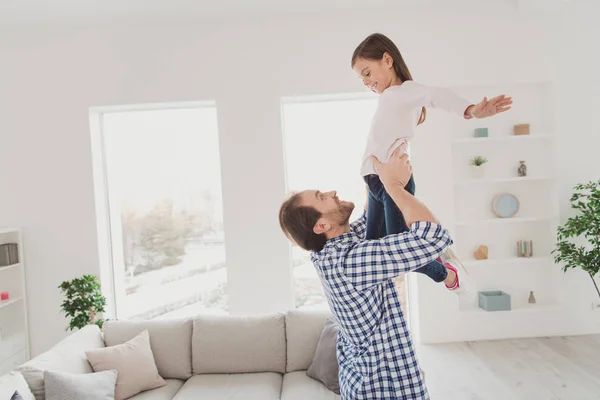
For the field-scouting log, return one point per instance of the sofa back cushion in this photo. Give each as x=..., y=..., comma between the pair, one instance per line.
x=67, y=356
x=238, y=344
x=303, y=329
x=170, y=340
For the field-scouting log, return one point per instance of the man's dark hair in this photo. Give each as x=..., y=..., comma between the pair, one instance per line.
x=297, y=223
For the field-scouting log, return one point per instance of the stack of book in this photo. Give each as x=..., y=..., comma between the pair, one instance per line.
x=9, y=254
x=525, y=248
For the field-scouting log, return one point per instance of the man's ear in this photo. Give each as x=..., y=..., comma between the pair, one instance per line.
x=322, y=226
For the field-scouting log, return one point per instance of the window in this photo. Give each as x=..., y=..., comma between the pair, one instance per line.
x=324, y=144
x=161, y=179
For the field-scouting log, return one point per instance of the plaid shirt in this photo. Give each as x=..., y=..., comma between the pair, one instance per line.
x=375, y=351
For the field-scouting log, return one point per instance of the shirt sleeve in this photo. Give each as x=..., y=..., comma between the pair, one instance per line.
x=359, y=226
x=442, y=98
x=371, y=262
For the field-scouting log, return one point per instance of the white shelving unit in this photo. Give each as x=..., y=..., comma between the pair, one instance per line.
x=506, y=138
x=513, y=261
x=14, y=329
x=538, y=216
x=506, y=221
x=526, y=179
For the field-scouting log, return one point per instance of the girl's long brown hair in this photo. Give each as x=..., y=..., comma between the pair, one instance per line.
x=374, y=47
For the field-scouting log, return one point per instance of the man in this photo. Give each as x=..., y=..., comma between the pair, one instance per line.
x=375, y=352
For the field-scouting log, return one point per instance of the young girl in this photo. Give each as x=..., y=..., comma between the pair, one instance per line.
x=401, y=107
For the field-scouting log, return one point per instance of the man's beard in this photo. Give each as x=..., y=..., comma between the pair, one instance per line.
x=343, y=213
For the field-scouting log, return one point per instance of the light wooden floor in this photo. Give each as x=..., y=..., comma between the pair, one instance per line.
x=566, y=368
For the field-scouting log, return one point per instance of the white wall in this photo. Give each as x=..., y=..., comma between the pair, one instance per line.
x=50, y=77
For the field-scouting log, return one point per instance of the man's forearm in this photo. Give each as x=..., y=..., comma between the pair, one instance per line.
x=412, y=209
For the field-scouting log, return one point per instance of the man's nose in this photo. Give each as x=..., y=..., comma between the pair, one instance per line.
x=333, y=193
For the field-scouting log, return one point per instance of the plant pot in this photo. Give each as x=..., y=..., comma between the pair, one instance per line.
x=478, y=172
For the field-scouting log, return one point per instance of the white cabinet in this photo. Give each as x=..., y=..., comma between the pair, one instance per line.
x=14, y=332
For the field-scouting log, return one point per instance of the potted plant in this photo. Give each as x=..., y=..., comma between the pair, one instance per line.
x=83, y=302
x=478, y=166
x=578, y=240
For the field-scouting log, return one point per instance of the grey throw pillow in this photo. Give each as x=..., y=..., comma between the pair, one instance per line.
x=324, y=367
x=94, y=386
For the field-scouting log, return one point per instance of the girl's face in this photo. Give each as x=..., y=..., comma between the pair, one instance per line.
x=377, y=75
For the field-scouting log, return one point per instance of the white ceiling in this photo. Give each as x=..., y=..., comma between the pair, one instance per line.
x=17, y=12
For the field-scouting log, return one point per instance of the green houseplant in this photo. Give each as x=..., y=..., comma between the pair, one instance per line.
x=478, y=166
x=83, y=301
x=578, y=240
x=478, y=161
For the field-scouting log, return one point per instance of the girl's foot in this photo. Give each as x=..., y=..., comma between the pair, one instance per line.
x=452, y=278
x=461, y=284
x=452, y=282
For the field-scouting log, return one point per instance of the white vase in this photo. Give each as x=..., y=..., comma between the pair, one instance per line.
x=478, y=172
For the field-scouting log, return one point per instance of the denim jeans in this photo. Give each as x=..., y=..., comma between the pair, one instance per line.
x=385, y=218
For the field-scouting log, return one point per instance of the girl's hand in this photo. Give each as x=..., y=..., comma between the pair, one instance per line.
x=488, y=108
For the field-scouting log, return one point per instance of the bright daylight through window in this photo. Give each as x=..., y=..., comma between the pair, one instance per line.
x=163, y=187
x=324, y=143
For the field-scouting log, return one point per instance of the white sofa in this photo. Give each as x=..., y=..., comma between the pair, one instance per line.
x=207, y=357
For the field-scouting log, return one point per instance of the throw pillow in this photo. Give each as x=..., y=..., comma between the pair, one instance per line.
x=14, y=386
x=324, y=367
x=67, y=386
x=134, y=362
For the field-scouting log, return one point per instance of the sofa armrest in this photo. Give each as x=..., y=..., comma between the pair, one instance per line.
x=66, y=356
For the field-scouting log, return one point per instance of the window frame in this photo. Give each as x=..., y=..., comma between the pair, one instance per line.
x=109, y=224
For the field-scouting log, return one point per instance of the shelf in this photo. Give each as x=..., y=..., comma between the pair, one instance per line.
x=4, y=231
x=506, y=138
x=485, y=181
x=522, y=309
x=7, y=303
x=9, y=267
x=510, y=260
x=513, y=220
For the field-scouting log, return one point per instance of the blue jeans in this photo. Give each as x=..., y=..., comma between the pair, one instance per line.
x=385, y=218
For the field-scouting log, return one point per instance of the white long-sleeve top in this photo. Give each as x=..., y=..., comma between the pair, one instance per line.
x=397, y=114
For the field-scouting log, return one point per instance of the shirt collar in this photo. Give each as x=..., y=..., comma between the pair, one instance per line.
x=343, y=238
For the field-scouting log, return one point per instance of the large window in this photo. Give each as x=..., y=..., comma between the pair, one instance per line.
x=324, y=144
x=161, y=176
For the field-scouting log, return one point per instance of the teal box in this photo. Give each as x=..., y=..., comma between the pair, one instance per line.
x=481, y=132
x=494, y=301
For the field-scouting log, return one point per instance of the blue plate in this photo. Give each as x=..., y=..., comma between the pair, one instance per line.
x=506, y=205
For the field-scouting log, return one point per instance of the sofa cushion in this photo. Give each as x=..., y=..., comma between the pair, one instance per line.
x=324, y=367
x=14, y=382
x=303, y=330
x=166, y=392
x=259, y=386
x=238, y=344
x=134, y=362
x=298, y=386
x=66, y=356
x=67, y=386
x=171, y=342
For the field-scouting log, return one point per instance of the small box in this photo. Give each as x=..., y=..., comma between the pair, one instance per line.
x=9, y=254
x=481, y=132
x=521, y=129
x=494, y=301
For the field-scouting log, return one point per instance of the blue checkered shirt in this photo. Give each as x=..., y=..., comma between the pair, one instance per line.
x=375, y=351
